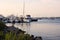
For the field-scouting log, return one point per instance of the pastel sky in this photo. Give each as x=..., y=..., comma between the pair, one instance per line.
x=36, y=8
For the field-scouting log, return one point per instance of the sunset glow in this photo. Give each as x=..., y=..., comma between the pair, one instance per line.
x=36, y=8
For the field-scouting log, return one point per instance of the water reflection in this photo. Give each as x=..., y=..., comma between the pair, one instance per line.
x=22, y=26
x=49, y=31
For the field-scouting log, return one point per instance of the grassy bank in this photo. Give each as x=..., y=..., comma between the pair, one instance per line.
x=7, y=33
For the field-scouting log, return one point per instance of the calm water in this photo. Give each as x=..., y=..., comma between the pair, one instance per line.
x=48, y=29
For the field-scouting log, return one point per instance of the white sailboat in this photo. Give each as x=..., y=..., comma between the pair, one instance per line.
x=24, y=18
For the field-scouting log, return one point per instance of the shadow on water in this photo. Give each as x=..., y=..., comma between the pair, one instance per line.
x=23, y=26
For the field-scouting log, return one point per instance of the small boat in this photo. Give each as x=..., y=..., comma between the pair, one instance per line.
x=31, y=19
x=34, y=20
x=26, y=21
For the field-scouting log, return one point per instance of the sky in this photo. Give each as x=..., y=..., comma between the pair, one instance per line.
x=36, y=8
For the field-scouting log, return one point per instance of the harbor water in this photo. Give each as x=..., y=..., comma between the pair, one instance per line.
x=47, y=29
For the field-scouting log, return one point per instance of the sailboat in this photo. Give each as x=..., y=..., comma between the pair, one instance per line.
x=28, y=19
x=23, y=19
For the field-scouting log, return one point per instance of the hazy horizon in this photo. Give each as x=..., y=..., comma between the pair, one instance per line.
x=36, y=8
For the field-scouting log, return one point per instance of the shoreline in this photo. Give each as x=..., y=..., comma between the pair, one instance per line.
x=12, y=33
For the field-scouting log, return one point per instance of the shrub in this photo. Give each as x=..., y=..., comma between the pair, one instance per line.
x=2, y=26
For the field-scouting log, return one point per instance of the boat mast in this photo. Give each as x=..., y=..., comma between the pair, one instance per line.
x=23, y=8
